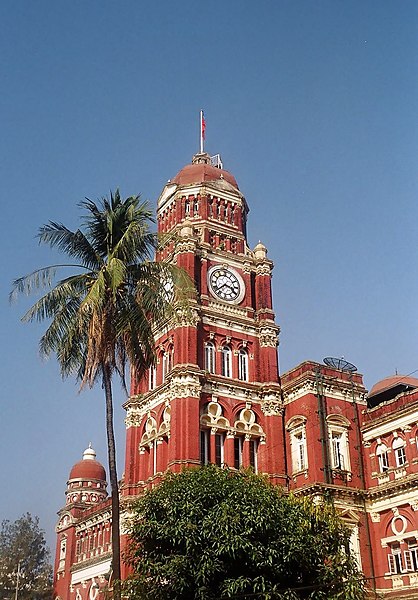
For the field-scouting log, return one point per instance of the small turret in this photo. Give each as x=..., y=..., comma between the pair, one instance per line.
x=87, y=482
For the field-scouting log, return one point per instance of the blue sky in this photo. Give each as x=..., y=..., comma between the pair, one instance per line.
x=313, y=107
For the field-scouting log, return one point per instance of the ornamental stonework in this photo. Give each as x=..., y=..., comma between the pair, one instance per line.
x=271, y=407
x=134, y=416
x=268, y=337
x=186, y=317
x=185, y=387
x=263, y=269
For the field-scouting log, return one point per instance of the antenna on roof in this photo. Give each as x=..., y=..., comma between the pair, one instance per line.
x=340, y=363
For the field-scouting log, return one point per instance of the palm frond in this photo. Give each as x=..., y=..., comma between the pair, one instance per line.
x=116, y=275
x=56, y=299
x=39, y=279
x=72, y=243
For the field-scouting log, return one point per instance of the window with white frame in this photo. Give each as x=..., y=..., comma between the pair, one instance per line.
x=338, y=442
x=167, y=362
x=299, y=450
x=219, y=449
x=238, y=447
x=395, y=560
x=297, y=431
x=254, y=454
x=411, y=555
x=337, y=452
x=243, y=365
x=210, y=357
x=204, y=446
x=382, y=457
x=152, y=381
x=398, y=446
x=226, y=361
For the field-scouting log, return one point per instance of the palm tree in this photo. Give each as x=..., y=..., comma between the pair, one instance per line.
x=102, y=317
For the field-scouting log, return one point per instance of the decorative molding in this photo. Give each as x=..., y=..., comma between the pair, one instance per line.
x=186, y=317
x=185, y=386
x=269, y=336
x=264, y=268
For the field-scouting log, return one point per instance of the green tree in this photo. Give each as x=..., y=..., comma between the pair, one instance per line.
x=102, y=316
x=213, y=534
x=24, y=560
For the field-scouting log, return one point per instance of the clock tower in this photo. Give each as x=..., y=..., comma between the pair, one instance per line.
x=214, y=395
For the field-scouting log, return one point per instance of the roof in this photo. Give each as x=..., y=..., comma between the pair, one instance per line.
x=88, y=468
x=200, y=172
x=393, y=381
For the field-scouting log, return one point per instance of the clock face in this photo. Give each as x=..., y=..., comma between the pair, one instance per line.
x=226, y=284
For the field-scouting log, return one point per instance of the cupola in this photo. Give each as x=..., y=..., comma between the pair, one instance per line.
x=87, y=482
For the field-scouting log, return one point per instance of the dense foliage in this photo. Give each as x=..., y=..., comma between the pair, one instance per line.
x=24, y=560
x=213, y=534
x=102, y=316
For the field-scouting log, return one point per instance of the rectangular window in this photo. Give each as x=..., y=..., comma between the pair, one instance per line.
x=152, y=377
x=204, y=446
x=253, y=454
x=298, y=442
x=392, y=565
x=238, y=443
x=338, y=457
x=383, y=462
x=395, y=561
x=400, y=456
x=219, y=449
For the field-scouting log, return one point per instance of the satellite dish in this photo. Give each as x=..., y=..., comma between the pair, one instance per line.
x=341, y=364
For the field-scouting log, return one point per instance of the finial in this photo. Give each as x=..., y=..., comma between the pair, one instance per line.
x=89, y=453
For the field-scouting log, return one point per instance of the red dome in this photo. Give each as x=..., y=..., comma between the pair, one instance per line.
x=392, y=381
x=88, y=468
x=200, y=172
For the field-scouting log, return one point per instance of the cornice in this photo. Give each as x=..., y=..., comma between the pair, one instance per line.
x=390, y=421
x=393, y=487
x=96, y=560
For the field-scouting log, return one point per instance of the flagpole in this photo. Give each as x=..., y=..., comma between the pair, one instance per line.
x=201, y=132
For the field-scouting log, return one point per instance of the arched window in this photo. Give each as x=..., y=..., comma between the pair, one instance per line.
x=214, y=423
x=210, y=357
x=243, y=365
x=382, y=457
x=167, y=362
x=297, y=430
x=226, y=361
x=338, y=441
x=399, y=448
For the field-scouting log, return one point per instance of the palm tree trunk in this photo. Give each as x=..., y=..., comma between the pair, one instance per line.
x=107, y=382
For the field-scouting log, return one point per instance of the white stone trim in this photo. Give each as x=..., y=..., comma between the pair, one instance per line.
x=96, y=570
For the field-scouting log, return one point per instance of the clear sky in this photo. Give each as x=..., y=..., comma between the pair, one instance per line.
x=313, y=107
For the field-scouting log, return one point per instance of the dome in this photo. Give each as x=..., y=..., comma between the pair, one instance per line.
x=88, y=468
x=200, y=172
x=393, y=381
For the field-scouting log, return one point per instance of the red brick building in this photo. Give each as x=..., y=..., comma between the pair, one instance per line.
x=215, y=396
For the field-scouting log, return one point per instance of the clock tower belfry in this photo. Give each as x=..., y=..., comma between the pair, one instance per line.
x=214, y=395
